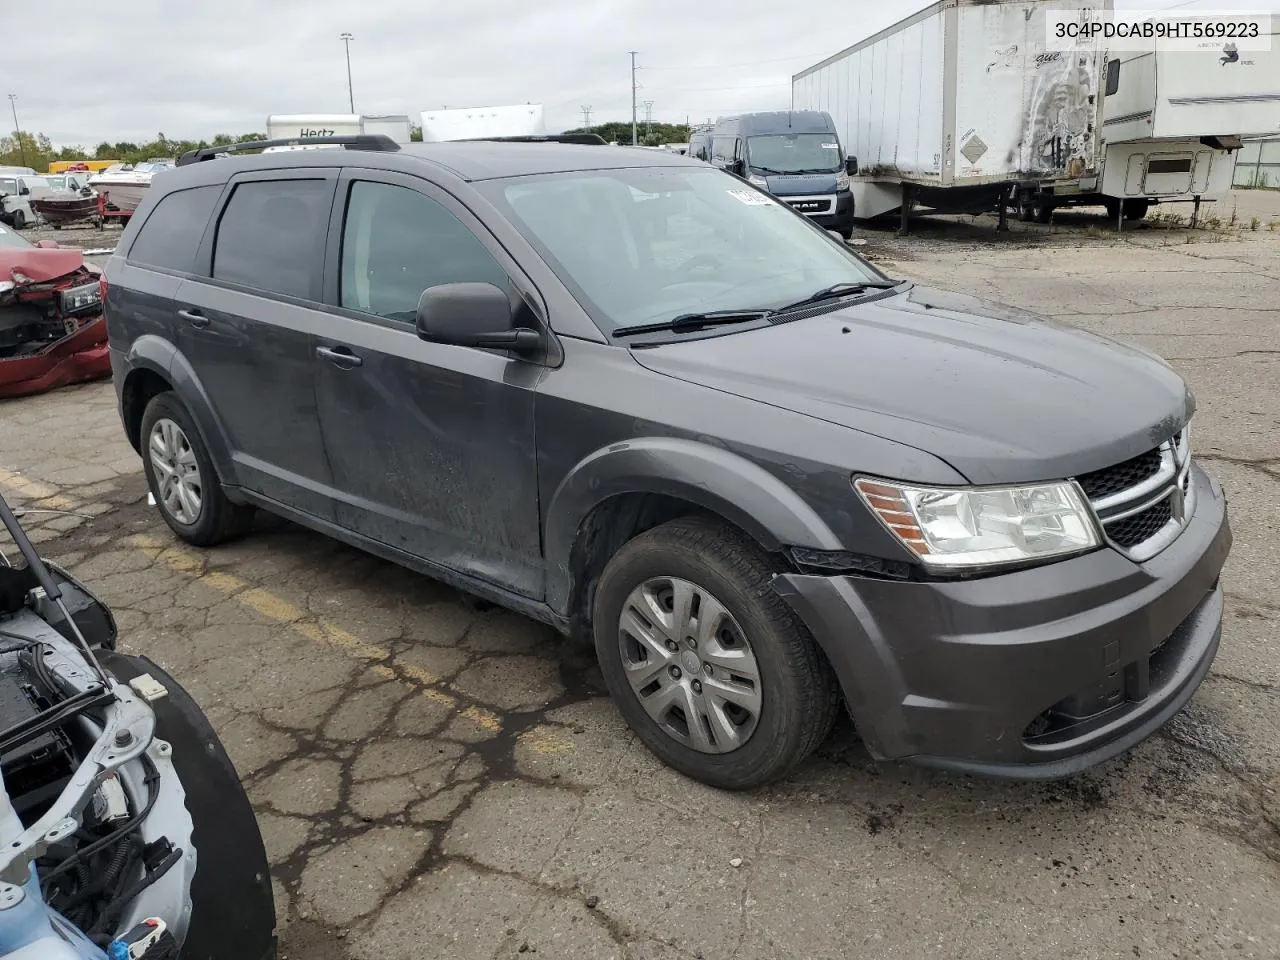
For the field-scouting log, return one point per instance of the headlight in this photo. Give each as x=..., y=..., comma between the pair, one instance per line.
x=760, y=182
x=85, y=298
x=842, y=181
x=964, y=528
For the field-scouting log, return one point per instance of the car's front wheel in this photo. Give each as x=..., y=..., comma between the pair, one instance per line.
x=707, y=663
x=181, y=476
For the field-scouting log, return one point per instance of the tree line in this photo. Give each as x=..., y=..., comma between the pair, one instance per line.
x=648, y=135
x=37, y=151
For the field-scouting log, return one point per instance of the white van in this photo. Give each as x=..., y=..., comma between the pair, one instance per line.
x=15, y=197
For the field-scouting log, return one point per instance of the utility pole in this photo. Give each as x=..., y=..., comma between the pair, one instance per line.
x=634, y=140
x=17, y=130
x=586, y=118
x=346, y=39
x=648, y=117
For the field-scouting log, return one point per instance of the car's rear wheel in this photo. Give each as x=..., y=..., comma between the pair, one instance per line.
x=182, y=479
x=707, y=663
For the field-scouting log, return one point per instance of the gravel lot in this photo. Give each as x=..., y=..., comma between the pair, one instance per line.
x=435, y=780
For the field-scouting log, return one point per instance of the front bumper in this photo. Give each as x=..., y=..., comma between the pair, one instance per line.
x=74, y=359
x=1039, y=673
x=842, y=218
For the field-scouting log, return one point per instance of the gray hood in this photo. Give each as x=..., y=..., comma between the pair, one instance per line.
x=1001, y=395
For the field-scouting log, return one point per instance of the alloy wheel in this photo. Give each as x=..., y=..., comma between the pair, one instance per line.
x=180, y=487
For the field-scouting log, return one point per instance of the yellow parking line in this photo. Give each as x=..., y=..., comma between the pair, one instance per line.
x=275, y=608
x=35, y=491
x=315, y=629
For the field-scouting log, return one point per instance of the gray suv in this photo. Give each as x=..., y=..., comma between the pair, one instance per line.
x=630, y=395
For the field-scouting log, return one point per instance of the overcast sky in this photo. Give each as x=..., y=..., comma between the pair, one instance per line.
x=127, y=70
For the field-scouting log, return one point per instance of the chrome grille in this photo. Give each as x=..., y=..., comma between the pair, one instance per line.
x=1144, y=503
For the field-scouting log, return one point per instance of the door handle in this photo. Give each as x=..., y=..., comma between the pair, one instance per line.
x=340, y=357
x=195, y=318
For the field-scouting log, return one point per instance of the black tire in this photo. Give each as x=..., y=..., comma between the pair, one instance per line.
x=1042, y=210
x=1025, y=212
x=19, y=219
x=218, y=519
x=1136, y=209
x=799, y=693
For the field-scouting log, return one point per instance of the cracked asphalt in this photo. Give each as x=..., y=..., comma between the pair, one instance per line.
x=435, y=779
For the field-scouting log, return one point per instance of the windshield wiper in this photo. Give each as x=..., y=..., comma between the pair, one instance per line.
x=688, y=322
x=838, y=290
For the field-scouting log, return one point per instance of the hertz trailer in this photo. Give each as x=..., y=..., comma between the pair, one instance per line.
x=962, y=108
x=305, y=126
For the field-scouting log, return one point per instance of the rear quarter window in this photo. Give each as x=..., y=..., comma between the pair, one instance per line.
x=171, y=235
x=267, y=236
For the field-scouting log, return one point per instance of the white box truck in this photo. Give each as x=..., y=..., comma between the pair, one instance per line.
x=476, y=123
x=963, y=107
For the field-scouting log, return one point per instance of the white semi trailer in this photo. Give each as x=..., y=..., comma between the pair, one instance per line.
x=963, y=107
x=476, y=123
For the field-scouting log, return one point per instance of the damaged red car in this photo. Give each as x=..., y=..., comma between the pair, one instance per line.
x=51, y=327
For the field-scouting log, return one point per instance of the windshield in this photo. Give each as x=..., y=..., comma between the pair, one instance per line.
x=795, y=153
x=10, y=239
x=645, y=245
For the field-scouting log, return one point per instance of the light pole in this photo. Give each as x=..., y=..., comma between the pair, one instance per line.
x=634, y=141
x=17, y=130
x=346, y=39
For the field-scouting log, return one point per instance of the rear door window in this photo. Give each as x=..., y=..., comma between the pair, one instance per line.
x=396, y=243
x=270, y=236
x=171, y=235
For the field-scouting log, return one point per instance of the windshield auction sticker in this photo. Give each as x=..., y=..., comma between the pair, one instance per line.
x=749, y=198
x=1141, y=31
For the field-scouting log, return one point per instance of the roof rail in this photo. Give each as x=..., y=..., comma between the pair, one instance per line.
x=591, y=139
x=362, y=141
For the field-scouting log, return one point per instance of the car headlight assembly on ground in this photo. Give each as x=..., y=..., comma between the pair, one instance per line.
x=958, y=529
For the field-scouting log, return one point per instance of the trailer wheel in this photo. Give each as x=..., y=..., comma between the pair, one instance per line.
x=1136, y=209
x=1133, y=209
x=1042, y=209
x=1025, y=211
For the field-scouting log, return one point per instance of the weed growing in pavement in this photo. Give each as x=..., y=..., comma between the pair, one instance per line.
x=1273, y=226
x=1212, y=222
x=1234, y=217
x=1254, y=224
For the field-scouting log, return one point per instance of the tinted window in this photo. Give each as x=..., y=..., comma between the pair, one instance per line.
x=643, y=245
x=397, y=243
x=268, y=236
x=1113, y=77
x=171, y=234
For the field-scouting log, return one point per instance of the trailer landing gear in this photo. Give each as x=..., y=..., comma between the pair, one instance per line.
x=908, y=201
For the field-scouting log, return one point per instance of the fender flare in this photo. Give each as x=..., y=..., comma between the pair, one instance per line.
x=709, y=476
x=161, y=357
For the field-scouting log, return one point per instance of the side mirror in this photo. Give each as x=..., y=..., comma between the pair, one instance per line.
x=472, y=315
x=851, y=166
x=23, y=190
x=738, y=168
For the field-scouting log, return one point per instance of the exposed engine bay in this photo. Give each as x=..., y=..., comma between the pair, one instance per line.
x=124, y=831
x=39, y=307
